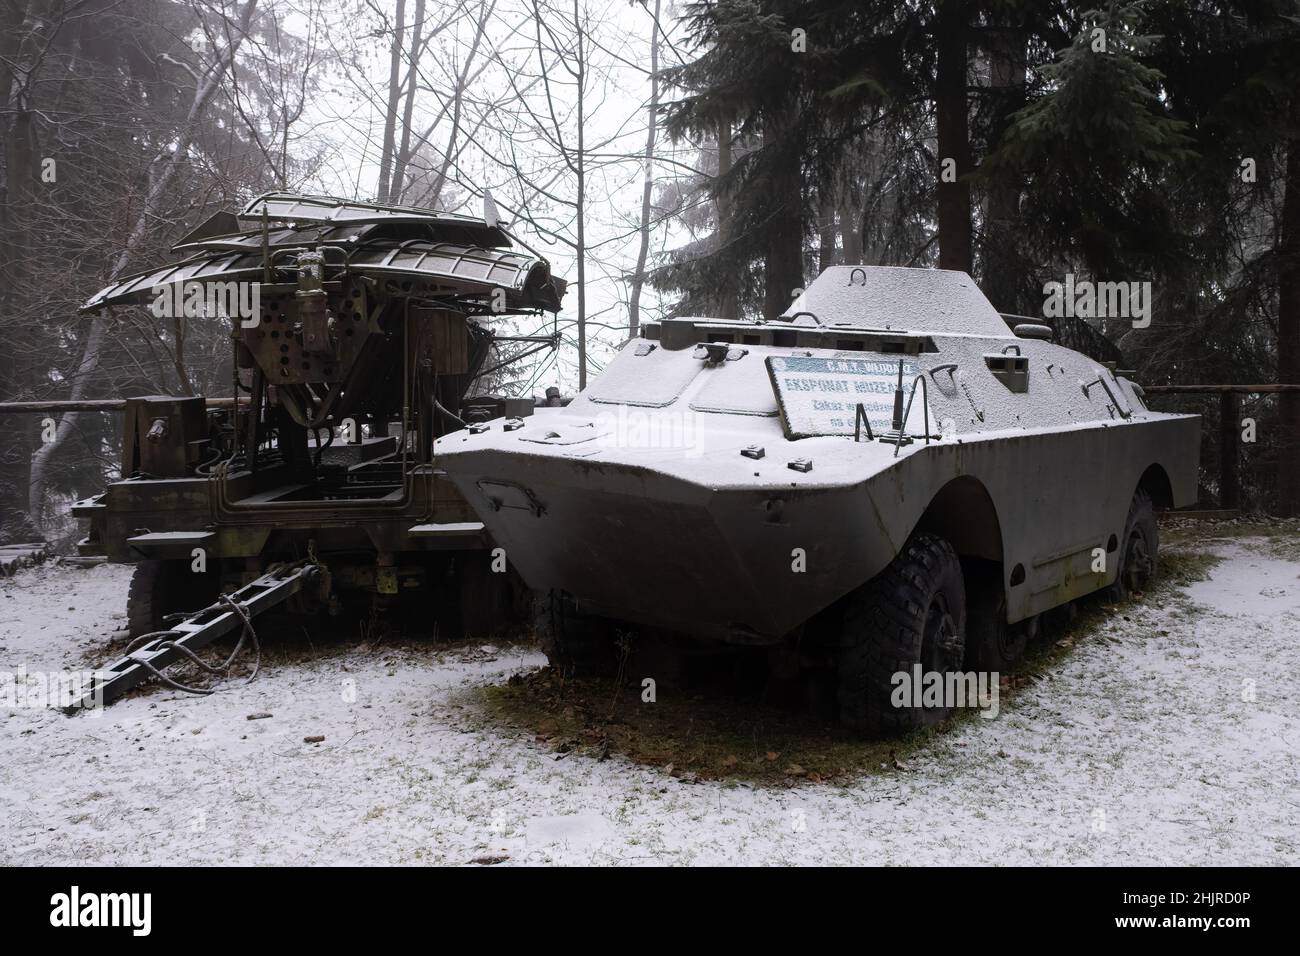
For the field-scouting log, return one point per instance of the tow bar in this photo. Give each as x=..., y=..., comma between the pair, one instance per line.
x=196, y=630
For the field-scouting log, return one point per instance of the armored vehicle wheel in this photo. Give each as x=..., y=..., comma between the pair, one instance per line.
x=573, y=642
x=992, y=645
x=1138, y=549
x=160, y=588
x=913, y=612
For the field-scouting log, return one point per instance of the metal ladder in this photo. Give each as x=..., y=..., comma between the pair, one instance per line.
x=197, y=630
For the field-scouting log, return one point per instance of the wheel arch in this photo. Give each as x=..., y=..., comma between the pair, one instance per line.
x=1155, y=482
x=963, y=512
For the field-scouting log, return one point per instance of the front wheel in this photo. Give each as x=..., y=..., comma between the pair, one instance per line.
x=993, y=645
x=574, y=643
x=911, y=617
x=162, y=588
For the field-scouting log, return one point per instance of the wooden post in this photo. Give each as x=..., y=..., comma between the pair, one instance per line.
x=1229, y=439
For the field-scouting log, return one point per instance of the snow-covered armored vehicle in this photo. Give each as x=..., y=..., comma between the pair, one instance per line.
x=888, y=476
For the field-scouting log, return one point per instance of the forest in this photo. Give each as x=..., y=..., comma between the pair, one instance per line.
x=705, y=158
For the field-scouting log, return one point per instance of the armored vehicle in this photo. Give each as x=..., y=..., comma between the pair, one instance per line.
x=887, y=476
x=357, y=331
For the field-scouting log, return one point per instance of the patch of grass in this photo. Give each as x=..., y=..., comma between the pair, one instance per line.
x=1283, y=544
x=1281, y=536
x=688, y=736
x=1182, y=566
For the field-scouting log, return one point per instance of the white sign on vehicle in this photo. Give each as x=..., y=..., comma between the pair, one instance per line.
x=819, y=396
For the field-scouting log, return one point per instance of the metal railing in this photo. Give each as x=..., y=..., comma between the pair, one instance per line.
x=1229, y=428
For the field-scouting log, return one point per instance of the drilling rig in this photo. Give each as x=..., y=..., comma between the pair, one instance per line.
x=358, y=333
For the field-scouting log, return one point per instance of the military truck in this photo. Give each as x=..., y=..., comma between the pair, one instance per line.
x=889, y=476
x=358, y=331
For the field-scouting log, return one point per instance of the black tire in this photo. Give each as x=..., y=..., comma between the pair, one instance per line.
x=574, y=643
x=913, y=612
x=1139, y=549
x=160, y=588
x=992, y=645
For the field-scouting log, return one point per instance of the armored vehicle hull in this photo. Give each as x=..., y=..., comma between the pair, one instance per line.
x=732, y=481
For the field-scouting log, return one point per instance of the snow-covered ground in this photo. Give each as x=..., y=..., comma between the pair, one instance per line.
x=1171, y=737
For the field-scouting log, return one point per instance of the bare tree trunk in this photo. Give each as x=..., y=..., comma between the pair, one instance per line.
x=729, y=304
x=397, y=185
x=390, y=113
x=647, y=185
x=954, y=213
x=826, y=235
x=1288, y=334
x=783, y=259
x=851, y=230
x=160, y=178
x=178, y=356
x=582, y=204
x=1007, y=82
x=16, y=356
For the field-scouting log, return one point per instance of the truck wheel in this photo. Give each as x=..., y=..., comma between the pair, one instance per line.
x=1138, y=550
x=993, y=645
x=573, y=642
x=160, y=588
x=484, y=598
x=913, y=612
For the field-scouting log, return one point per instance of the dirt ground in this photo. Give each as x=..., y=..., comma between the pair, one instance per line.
x=1162, y=732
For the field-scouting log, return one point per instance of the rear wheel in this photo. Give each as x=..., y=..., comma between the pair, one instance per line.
x=1138, y=549
x=993, y=645
x=912, y=613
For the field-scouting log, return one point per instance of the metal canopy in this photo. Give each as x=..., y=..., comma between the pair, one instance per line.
x=486, y=268
x=136, y=288
x=219, y=223
x=464, y=270
x=251, y=240
x=296, y=208
x=446, y=253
